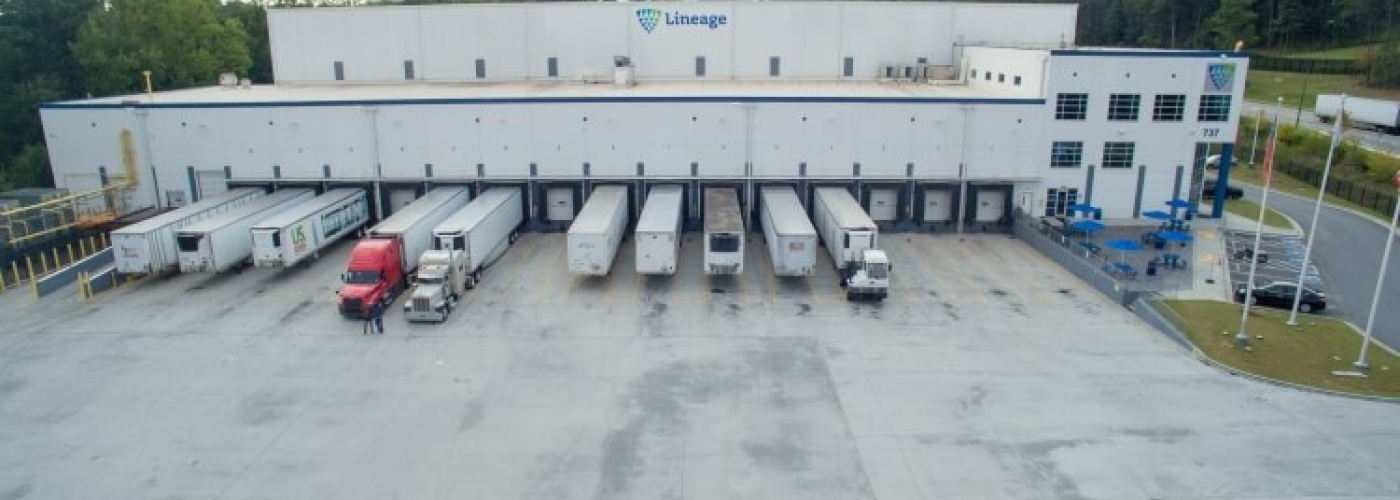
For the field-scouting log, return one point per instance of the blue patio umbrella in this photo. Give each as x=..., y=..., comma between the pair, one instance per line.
x=1158, y=214
x=1123, y=247
x=1081, y=207
x=1088, y=226
x=1178, y=203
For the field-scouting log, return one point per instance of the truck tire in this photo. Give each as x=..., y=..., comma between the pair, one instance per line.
x=514, y=235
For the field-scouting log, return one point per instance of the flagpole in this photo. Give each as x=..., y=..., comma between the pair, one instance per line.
x=1242, y=337
x=1361, y=365
x=1317, y=211
x=1254, y=146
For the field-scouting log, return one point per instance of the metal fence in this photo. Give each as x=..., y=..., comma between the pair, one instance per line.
x=1295, y=65
x=1380, y=198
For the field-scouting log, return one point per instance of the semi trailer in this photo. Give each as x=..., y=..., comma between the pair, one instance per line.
x=597, y=231
x=1361, y=112
x=222, y=242
x=483, y=229
x=286, y=239
x=149, y=246
x=441, y=280
x=381, y=262
x=724, y=232
x=658, y=234
x=851, y=238
x=792, y=241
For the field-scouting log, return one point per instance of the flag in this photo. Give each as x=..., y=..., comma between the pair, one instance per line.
x=1337, y=128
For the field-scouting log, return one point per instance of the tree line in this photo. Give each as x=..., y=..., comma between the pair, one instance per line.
x=52, y=50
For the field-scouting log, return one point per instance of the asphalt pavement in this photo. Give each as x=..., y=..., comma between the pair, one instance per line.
x=1378, y=141
x=1347, y=251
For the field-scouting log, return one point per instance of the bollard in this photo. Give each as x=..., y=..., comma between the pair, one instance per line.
x=82, y=287
x=43, y=265
x=56, y=262
x=82, y=248
x=92, y=244
x=14, y=267
x=104, y=240
x=29, y=263
x=3, y=285
x=70, y=254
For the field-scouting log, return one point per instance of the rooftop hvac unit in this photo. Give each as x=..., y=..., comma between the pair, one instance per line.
x=228, y=80
x=909, y=73
x=245, y=83
x=889, y=72
x=623, y=74
x=935, y=72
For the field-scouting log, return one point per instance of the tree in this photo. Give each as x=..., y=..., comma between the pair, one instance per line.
x=181, y=42
x=253, y=19
x=1233, y=21
x=1385, y=66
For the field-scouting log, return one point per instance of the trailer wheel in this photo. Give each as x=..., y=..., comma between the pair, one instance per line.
x=514, y=235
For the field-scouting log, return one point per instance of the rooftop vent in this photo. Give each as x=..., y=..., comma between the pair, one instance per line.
x=228, y=80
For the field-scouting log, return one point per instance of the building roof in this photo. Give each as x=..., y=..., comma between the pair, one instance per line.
x=296, y=95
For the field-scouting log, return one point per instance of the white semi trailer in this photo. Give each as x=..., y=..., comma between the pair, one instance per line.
x=285, y=239
x=724, y=232
x=149, y=246
x=792, y=241
x=852, y=239
x=1361, y=112
x=658, y=235
x=597, y=231
x=223, y=242
x=483, y=229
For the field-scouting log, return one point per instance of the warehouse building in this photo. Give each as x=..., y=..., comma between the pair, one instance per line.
x=938, y=116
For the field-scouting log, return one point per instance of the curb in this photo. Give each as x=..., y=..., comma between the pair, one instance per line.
x=1374, y=219
x=1201, y=356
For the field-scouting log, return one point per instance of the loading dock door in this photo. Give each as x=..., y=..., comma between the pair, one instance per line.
x=399, y=198
x=938, y=205
x=560, y=201
x=884, y=204
x=991, y=204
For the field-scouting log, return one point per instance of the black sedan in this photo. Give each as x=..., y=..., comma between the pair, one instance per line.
x=1280, y=294
x=1231, y=192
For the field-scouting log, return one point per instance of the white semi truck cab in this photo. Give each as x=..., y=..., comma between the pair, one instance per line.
x=442, y=276
x=869, y=277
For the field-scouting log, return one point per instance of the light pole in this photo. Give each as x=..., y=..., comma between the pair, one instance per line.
x=1317, y=211
x=1361, y=365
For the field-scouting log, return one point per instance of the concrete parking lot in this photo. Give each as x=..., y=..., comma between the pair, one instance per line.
x=989, y=373
x=1285, y=256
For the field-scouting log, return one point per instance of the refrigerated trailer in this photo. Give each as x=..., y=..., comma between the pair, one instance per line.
x=658, y=234
x=149, y=246
x=724, y=232
x=483, y=229
x=597, y=231
x=223, y=242
x=792, y=241
x=380, y=264
x=852, y=238
x=285, y=239
x=1361, y=112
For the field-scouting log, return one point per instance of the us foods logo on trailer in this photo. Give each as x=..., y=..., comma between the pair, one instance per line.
x=651, y=18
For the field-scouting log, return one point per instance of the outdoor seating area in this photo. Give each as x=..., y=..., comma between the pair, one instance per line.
x=1129, y=250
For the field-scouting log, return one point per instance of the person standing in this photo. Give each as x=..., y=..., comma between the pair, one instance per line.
x=376, y=315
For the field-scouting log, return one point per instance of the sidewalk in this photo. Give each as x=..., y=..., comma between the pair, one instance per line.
x=1210, y=279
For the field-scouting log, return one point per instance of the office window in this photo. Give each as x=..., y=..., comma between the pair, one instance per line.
x=1057, y=201
x=848, y=67
x=408, y=70
x=339, y=70
x=974, y=74
x=1066, y=154
x=1016, y=81
x=481, y=68
x=700, y=66
x=774, y=66
x=1214, y=108
x=1071, y=106
x=1118, y=154
x=553, y=64
x=1168, y=108
x=922, y=60
x=1123, y=107
x=1001, y=77
x=988, y=76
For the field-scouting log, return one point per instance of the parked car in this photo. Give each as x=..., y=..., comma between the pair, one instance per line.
x=1280, y=294
x=1213, y=161
x=1231, y=192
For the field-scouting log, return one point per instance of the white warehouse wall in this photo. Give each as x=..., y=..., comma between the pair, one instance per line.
x=515, y=40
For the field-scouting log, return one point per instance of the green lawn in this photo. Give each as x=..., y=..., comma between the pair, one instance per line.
x=1267, y=86
x=1285, y=183
x=1250, y=210
x=1354, y=52
x=1305, y=355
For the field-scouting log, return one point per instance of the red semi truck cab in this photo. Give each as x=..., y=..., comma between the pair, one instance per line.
x=375, y=274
